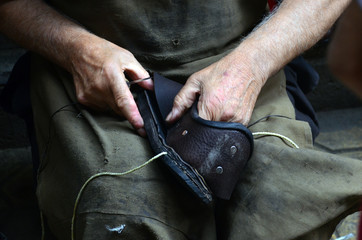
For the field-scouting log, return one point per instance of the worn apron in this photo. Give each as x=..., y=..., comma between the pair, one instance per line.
x=284, y=193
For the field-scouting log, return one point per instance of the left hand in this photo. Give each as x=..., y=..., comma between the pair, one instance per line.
x=228, y=90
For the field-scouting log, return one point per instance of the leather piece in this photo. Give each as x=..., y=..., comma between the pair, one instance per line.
x=165, y=91
x=206, y=156
x=218, y=150
x=156, y=133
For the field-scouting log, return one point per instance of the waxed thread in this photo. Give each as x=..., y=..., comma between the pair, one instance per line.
x=263, y=133
x=267, y=117
x=44, y=154
x=285, y=138
x=106, y=174
x=139, y=167
x=88, y=181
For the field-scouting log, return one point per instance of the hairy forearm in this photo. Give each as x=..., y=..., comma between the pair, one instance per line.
x=36, y=26
x=293, y=28
x=229, y=88
x=96, y=65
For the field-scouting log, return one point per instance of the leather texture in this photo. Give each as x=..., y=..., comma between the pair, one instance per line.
x=207, y=156
x=218, y=150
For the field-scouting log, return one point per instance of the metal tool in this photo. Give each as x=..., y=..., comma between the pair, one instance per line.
x=129, y=83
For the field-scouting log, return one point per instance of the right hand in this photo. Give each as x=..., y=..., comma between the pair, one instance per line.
x=98, y=68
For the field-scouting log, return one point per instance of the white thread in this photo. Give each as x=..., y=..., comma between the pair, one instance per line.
x=276, y=135
x=118, y=230
x=349, y=236
x=106, y=174
x=92, y=178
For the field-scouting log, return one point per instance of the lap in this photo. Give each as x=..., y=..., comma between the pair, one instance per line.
x=283, y=193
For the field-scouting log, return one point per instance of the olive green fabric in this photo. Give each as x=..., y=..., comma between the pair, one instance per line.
x=284, y=193
x=172, y=37
x=148, y=201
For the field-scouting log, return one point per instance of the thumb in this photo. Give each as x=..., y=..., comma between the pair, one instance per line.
x=183, y=101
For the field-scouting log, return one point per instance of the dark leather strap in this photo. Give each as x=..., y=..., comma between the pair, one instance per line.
x=165, y=91
x=208, y=156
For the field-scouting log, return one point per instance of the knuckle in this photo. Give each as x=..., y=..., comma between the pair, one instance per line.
x=228, y=114
x=134, y=120
x=184, y=99
x=82, y=99
x=127, y=54
x=231, y=111
x=126, y=58
x=108, y=69
x=214, y=102
x=178, y=100
x=121, y=101
x=94, y=87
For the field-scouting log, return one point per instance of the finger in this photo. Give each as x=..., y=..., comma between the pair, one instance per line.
x=183, y=100
x=87, y=99
x=147, y=84
x=124, y=104
x=142, y=132
x=135, y=71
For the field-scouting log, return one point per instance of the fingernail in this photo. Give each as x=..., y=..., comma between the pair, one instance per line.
x=172, y=115
x=142, y=132
x=169, y=116
x=150, y=84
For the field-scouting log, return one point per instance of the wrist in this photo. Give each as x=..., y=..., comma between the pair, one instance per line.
x=72, y=44
x=256, y=64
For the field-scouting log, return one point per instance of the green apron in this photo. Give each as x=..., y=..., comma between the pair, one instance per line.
x=172, y=37
x=284, y=193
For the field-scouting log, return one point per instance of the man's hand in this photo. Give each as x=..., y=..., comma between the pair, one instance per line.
x=228, y=91
x=97, y=65
x=229, y=88
x=98, y=70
